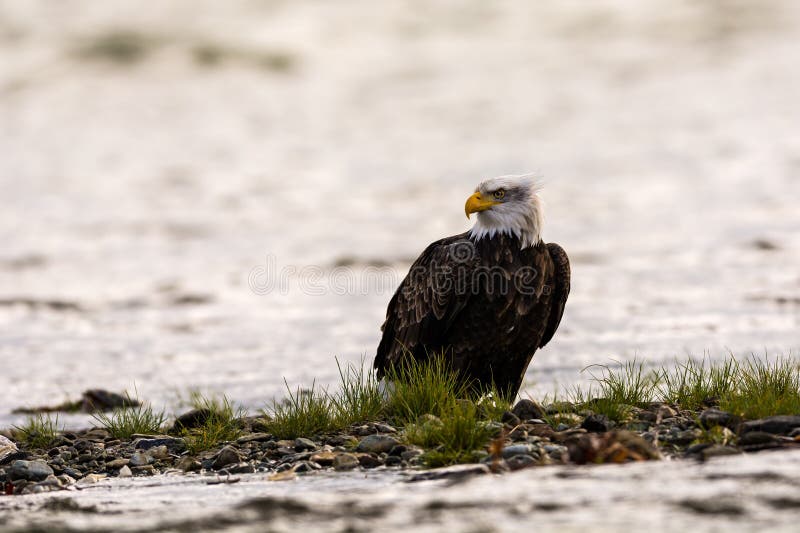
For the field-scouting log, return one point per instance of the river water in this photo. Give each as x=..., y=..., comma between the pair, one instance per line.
x=218, y=196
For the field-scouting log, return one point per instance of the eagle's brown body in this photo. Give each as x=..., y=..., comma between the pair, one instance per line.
x=487, y=304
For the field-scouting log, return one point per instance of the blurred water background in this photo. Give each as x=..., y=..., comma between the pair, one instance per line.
x=162, y=164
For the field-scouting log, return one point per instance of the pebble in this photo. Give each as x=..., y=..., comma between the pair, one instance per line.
x=29, y=470
x=302, y=444
x=125, y=472
x=117, y=463
x=714, y=417
x=596, y=423
x=451, y=472
x=518, y=462
x=226, y=456
x=369, y=461
x=345, y=461
x=140, y=459
x=385, y=428
x=7, y=448
x=323, y=458
x=518, y=449
x=377, y=444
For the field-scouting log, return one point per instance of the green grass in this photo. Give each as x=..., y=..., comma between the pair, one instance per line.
x=303, y=413
x=359, y=398
x=223, y=423
x=127, y=421
x=38, y=431
x=455, y=437
x=764, y=387
x=696, y=385
x=419, y=388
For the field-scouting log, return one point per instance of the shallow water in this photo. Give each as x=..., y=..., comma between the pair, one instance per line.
x=150, y=194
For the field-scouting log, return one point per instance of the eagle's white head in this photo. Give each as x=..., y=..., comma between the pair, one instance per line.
x=507, y=205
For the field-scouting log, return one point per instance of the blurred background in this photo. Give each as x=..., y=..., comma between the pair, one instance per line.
x=161, y=163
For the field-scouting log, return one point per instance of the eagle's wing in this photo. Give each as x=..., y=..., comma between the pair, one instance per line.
x=560, y=290
x=427, y=301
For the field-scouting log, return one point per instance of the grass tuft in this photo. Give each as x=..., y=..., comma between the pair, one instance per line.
x=38, y=431
x=304, y=413
x=127, y=421
x=455, y=437
x=223, y=423
x=764, y=387
x=418, y=388
x=359, y=398
x=696, y=385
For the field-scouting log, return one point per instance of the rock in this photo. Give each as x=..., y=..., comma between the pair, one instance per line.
x=611, y=447
x=102, y=400
x=518, y=449
x=323, y=458
x=510, y=419
x=758, y=440
x=451, y=472
x=718, y=450
x=191, y=419
x=369, y=461
x=117, y=463
x=385, y=428
x=302, y=444
x=777, y=425
x=518, y=462
x=29, y=470
x=596, y=423
x=125, y=472
x=377, y=444
x=168, y=442
x=188, y=464
x=393, y=460
x=159, y=453
x=398, y=450
x=255, y=437
x=411, y=453
x=7, y=448
x=140, y=459
x=345, y=461
x=527, y=409
x=241, y=468
x=714, y=417
x=226, y=456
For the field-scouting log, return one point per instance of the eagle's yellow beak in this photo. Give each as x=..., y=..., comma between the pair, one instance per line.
x=476, y=203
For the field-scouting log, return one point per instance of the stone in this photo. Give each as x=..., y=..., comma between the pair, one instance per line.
x=369, y=461
x=323, y=458
x=377, y=444
x=188, y=464
x=393, y=460
x=714, y=417
x=596, y=423
x=29, y=470
x=411, y=453
x=171, y=443
x=140, y=459
x=241, y=468
x=718, y=450
x=777, y=425
x=125, y=471
x=455, y=472
x=117, y=463
x=518, y=449
x=518, y=462
x=158, y=452
x=255, y=437
x=191, y=419
x=345, y=461
x=385, y=428
x=302, y=444
x=527, y=409
x=7, y=448
x=226, y=456
x=510, y=419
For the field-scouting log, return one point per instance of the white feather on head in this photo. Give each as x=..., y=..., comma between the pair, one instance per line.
x=520, y=214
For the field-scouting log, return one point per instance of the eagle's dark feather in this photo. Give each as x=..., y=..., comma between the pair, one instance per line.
x=487, y=304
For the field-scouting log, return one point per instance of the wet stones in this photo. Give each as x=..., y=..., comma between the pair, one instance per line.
x=714, y=417
x=302, y=444
x=596, y=423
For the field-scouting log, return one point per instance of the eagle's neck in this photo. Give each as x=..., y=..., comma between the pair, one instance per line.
x=520, y=220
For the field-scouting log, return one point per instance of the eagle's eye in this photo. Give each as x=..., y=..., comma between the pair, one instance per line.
x=499, y=194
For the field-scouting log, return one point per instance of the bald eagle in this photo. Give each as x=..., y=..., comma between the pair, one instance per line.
x=486, y=299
